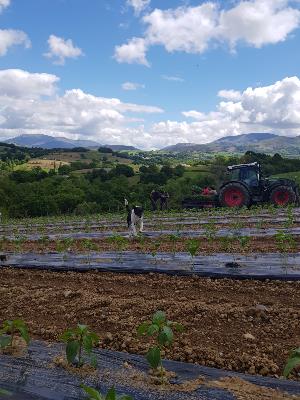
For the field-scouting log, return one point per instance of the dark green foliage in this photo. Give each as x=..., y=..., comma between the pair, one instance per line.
x=293, y=362
x=93, y=394
x=79, y=340
x=5, y=393
x=11, y=328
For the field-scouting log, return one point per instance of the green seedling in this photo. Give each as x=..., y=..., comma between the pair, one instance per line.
x=79, y=340
x=155, y=248
x=293, y=362
x=226, y=243
x=290, y=218
x=210, y=231
x=44, y=240
x=162, y=330
x=120, y=242
x=5, y=393
x=192, y=246
x=90, y=246
x=93, y=394
x=174, y=239
x=243, y=241
x=9, y=330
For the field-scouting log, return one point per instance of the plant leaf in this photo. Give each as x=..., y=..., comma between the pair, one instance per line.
x=4, y=392
x=291, y=364
x=153, y=328
x=111, y=394
x=92, y=393
x=24, y=333
x=166, y=336
x=87, y=343
x=142, y=329
x=153, y=357
x=159, y=317
x=4, y=341
x=72, y=349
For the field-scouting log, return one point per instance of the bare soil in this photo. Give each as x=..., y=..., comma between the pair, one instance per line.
x=246, y=326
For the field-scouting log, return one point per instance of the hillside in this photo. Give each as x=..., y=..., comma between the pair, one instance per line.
x=50, y=142
x=258, y=142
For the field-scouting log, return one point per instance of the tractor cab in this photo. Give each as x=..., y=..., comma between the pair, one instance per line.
x=250, y=174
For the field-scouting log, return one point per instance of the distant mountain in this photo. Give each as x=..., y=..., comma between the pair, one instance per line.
x=50, y=142
x=259, y=142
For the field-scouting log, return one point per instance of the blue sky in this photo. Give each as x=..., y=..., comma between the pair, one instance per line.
x=196, y=70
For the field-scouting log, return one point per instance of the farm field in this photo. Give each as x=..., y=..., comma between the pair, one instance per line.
x=231, y=278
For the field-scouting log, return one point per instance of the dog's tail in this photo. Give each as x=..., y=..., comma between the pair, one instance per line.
x=126, y=204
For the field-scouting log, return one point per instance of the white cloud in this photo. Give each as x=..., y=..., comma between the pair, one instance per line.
x=138, y=5
x=132, y=52
x=60, y=49
x=4, y=4
x=258, y=22
x=132, y=86
x=16, y=83
x=229, y=94
x=195, y=29
x=29, y=103
x=172, y=78
x=10, y=37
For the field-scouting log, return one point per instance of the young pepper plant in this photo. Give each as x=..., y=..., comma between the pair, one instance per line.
x=293, y=362
x=77, y=341
x=192, y=246
x=94, y=394
x=9, y=331
x=162, y=329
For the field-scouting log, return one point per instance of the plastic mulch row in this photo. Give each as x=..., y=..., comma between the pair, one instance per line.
x=259, y=266
x=36, y=377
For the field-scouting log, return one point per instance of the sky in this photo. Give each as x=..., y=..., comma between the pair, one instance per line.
x=149, y=73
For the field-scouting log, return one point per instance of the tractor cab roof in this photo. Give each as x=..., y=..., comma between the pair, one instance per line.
x=255, y=165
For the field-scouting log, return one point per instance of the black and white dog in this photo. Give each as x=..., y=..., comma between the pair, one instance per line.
x=135, y=217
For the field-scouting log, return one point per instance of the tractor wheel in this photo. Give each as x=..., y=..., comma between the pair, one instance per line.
x=234, y=195
x=282, y=196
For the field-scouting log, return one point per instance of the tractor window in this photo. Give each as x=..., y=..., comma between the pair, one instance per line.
x=235, y=175
x=249, y=176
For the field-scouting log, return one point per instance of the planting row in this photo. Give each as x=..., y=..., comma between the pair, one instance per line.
x=208, y=232
x=283, y=266
x=181, y=224
x=196, y=215
x=59, y=372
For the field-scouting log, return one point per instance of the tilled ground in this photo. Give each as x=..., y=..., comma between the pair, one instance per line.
x=240, y=325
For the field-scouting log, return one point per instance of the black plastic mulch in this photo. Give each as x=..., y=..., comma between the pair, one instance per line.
x=220, y=265
x=36, y=377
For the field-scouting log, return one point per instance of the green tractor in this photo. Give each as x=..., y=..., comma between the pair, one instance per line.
x=246, y=186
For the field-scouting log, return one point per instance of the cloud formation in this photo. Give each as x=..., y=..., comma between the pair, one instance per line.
x=190, y=29
x=10, y=37
x=134, y=51
x=172, y=78
x=29, y=103
x=132, y=86
x=4, y=4
x=61, y=49
x=138, y=5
